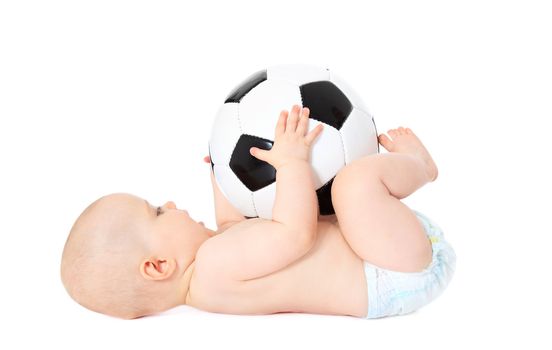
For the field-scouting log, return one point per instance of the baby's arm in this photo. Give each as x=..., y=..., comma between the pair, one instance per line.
x=265, y=246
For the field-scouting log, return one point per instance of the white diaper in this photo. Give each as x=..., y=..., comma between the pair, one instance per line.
x=396, y=293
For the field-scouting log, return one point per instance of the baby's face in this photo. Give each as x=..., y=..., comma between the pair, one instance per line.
x=172, y=230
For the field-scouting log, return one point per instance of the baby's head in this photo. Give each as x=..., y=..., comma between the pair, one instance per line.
x=128, y=259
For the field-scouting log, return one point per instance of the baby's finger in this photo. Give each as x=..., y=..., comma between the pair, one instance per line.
x=281, y=125
x=311, y=136
x=292, y=120
x=303, y=125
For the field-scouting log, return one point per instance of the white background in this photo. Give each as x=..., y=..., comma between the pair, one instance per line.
x=118, y=96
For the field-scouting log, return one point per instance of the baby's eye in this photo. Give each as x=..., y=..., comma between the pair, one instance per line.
x=159, y=211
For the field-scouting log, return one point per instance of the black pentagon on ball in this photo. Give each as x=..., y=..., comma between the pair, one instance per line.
x=247, y=85
x=324, y=195
x=252, y=172
x=327, y=103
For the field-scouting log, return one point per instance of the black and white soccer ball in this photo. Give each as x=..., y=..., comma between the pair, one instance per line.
x=248, y=119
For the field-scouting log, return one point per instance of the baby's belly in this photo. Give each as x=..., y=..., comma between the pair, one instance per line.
x=327, y=280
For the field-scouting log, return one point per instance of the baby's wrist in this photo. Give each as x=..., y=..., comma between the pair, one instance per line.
x=291, y=162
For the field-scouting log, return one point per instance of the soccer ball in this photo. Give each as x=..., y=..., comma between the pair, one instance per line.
x=248, y=119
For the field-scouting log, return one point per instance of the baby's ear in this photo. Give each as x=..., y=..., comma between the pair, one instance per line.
x=157, y=269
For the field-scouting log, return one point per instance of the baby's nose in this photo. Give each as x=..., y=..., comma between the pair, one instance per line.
x=170, y=205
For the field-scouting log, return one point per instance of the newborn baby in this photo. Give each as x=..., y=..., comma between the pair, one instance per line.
x=374, y=258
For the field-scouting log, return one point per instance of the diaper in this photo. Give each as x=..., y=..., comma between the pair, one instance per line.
x=397, y=293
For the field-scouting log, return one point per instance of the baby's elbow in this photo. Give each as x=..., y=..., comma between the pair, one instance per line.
x=306, y=238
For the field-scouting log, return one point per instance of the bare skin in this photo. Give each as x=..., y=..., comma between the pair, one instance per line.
x=407, y=142
x=371, y=224
x=296, y=262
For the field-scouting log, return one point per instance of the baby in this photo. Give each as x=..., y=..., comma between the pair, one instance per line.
x=374, y=258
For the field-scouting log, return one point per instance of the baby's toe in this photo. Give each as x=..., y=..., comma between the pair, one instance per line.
x=385, y=142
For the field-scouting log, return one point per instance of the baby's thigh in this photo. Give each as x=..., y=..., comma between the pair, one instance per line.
x=378, y=227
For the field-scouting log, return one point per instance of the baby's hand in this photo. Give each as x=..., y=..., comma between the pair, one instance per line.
x=290, y=141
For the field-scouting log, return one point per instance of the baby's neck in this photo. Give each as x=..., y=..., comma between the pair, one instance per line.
x=184, y=289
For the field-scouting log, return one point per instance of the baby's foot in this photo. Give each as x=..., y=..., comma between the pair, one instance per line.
x=405, y=141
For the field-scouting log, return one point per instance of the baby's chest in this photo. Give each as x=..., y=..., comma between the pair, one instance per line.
x=324, y=280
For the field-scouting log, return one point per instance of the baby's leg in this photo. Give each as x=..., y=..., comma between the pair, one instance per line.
x=366, y=197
